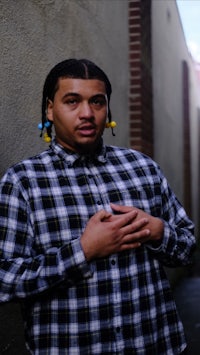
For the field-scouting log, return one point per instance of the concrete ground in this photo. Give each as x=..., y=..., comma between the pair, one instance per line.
x=187, y=297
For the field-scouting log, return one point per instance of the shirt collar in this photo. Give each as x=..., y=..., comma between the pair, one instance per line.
x=73, y=158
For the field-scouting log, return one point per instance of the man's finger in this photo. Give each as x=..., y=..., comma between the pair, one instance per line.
x=102, y=215
x=120, y=208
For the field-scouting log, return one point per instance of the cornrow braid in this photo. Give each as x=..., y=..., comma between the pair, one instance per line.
x=71, y=68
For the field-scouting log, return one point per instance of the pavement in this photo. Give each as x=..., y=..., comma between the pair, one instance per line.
x=187, y=297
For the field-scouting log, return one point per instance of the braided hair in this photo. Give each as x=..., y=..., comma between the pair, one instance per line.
x=71, y=68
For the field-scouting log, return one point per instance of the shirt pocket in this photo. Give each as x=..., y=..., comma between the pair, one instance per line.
x=133, y=196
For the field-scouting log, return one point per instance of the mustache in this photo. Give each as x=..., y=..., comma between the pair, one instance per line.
x=86, y=125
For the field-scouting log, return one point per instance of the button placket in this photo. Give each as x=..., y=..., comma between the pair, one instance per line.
x=95, y=182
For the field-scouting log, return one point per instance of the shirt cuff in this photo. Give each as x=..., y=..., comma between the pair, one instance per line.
x=160, y=245
x=80, y=260
x=73, y=264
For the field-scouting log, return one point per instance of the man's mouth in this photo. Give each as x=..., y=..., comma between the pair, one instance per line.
x=87, y=130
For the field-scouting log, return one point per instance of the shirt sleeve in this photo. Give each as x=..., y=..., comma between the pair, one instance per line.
x=22, y=272
x=178, y=243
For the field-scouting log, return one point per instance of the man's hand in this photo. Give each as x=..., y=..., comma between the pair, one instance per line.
x=155, y=225
x=106, y=234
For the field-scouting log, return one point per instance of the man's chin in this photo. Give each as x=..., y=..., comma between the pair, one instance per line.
x=87, y=147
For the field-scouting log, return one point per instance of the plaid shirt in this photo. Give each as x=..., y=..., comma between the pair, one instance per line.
x=120, y=304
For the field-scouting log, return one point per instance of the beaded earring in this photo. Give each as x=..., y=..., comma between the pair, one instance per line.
x=47, y=124
x=46, y=136
x=111, y=124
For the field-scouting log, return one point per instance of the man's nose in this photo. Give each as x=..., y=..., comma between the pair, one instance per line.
x=86, y=110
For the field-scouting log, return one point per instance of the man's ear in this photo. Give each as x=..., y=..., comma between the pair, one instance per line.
x=49, y=112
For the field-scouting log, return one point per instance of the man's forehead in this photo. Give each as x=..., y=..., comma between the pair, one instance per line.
x=78, y=85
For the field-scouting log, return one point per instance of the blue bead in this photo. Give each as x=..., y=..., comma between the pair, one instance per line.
x=47, y=124
x=40, y=126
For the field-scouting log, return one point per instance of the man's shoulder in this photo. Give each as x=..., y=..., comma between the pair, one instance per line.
x=132, y=159
x=28, y=166
x=128, y=153
x=35, y=160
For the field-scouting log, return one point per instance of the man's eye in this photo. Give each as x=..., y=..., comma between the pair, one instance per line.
x=71, y=101
x=98, y=102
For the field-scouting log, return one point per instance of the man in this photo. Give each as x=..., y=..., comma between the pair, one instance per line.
x=86, y=229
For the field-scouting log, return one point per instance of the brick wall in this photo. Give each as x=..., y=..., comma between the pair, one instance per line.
x=140, y=103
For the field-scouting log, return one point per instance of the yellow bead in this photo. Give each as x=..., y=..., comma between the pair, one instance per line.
x=107, y=124
x=113, y=124
x=47, y=139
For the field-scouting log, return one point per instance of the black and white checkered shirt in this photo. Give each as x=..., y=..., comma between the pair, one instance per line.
x=120, y=304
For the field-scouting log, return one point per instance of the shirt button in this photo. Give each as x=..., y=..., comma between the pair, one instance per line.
x=98, y=202
x=113, y=262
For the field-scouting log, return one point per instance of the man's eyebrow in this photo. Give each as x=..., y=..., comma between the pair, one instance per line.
x=71, y=94
x=79, y=95
x=99, y=94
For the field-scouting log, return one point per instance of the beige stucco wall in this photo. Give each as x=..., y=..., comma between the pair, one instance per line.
x=35, y=35
x=169, y=50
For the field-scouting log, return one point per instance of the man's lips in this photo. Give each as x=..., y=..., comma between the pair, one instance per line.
x=87, y=129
